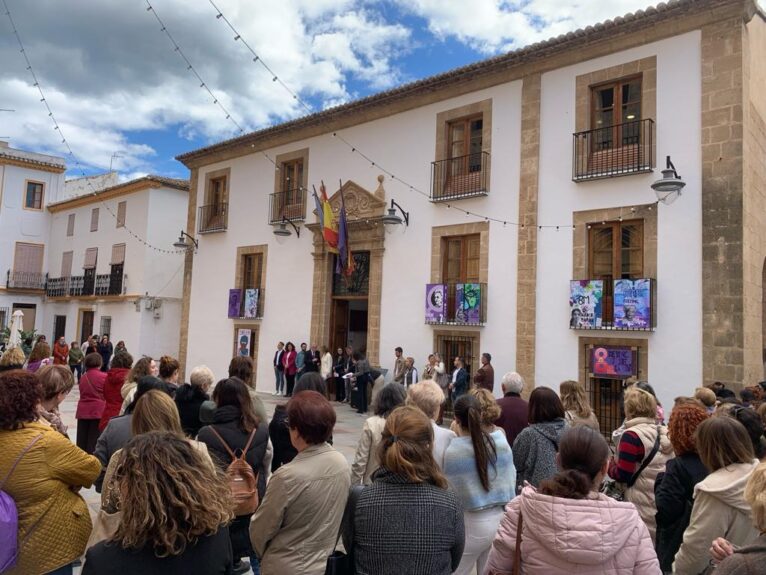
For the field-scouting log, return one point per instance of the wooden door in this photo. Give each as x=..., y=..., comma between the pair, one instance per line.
x=339, y=335
x=59, y=327
x=86, y=326
x=30, y=312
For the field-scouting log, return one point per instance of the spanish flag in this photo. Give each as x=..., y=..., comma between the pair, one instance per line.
x=329, y=223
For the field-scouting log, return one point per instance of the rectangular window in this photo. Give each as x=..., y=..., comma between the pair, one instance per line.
x=460, y=260
x=465, y=141
x=28, y=258
x=33, y=198
x=91, y=259
x=106, y=325
x=66, y=264
x=118, y=255
x=70, y=225
x=122, y=208
x=616, y=113
x=94, y=220
x=251, y=271
x=213, y=214
x=616, y=251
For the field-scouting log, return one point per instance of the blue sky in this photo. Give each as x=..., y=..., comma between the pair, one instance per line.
x=116, y=85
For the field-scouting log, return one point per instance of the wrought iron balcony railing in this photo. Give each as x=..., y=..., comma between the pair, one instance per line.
x=25, y=280
x=213, y=217
x=460, y=177
x=109, y=284
x=456, y=304
x=613, y=151
x=288, y=204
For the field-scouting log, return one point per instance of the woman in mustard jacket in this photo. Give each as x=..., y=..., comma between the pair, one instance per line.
x=54, y=523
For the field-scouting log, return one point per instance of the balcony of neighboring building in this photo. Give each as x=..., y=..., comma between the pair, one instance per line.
x=25, y=281
x=88, y=285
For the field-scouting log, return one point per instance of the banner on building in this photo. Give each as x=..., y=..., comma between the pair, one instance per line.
x=612, y=362
x=235, y=302
x=251, y=302
x=468, y=303
x=585, y=304
x=243, y=342
x=436, y=303
x=633, y=304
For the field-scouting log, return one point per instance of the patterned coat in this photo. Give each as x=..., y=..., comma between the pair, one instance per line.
x=54, y=523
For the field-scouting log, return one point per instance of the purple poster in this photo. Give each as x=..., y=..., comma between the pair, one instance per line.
x=468, y=303
x=235, y=302
x=612, y=362
x=633, y=304
x=436, y=303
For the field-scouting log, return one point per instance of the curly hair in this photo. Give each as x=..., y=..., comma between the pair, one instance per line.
x=20, y=394
x=13, y=357
x=169, y=496
x=122, y=359
x=141, y=368
x=41, y=351
x=490, y=410
x=683, y=422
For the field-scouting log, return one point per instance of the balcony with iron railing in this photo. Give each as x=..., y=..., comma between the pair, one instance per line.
x=460, y=177
x=25, y=280
x=83, y=286
x=287, y=204
x=616, y=150
x=109, y=284
x=457, y=304
x=213, y=217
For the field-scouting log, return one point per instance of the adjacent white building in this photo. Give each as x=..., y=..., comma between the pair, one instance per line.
x=537, y=167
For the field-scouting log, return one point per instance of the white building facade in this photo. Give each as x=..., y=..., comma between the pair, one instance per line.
x=537, y=169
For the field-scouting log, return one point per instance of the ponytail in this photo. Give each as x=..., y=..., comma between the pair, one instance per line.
x=569, y=483
x=468, y=414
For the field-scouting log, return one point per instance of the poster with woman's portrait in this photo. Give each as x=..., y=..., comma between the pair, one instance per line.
x=243, y=342
x=235, y=302
x=633, y=304
x=251, y=303
x=436, y=303
x=585, y=297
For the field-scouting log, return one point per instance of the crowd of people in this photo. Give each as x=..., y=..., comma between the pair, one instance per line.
x=196, y=477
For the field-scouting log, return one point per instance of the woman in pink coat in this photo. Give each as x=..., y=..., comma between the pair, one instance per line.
x=568, y=527
x=288, y=361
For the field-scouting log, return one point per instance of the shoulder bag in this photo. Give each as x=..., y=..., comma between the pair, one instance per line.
x=615, y=489
x=339, y=563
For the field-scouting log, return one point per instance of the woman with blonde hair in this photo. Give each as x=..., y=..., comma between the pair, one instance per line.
x=488, y=407
x=642, y=452
x=57, y=382
x=12, y=358
x=142, y=368
x=428, y=397
x=407, y=521
x=175, y=510
x=576, y=407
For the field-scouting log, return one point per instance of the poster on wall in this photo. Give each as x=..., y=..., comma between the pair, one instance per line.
x=633, y=304
x=468, y=303
x=436, y=303
x=235, y=302
x=585, y=299
x=612, y=362
x=251, y=302
x=243, y=342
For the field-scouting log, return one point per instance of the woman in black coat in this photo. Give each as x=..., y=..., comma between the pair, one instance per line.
x=234, y=420
x=674, y=489
x=189, y=398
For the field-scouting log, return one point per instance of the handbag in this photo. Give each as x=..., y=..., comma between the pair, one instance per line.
x=615, y=489
x=339, y=563
x=104, y=527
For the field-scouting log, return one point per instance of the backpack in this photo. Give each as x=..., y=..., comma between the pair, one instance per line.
x=243, y=482
x=9, y=518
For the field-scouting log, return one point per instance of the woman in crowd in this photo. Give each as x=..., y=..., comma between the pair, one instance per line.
x=746, y=560
x=361, y=380
x=115, y=380
x=53, y=519
x=105, y=350
x=242, y=368
x=642, y=453
x=57, y=381
x=39, y=357
x=366, y=458
x=488, y=407
x=75, y=359
x=429, y=369
x=442, y=378
x=567, y=526
x=674, y=488
x=720, y=509
x=407, y=521
x=753, y=423
x=169, y=371
x=120, y=347
x=60, y=351
x=338, y=373
x=325, y=368
x=707, y=397
x=577, y=410
x=118, y=431
x=295, y=527
x=429, y=398
x=143, y=367
x=91, y=405
x=175, y=509
x=12, y=358
x=479, y=466
x=288, y=361
x=236, y=428
x=190, y=397
x=535, y=448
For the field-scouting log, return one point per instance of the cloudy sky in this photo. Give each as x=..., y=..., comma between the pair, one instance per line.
x=117, y=86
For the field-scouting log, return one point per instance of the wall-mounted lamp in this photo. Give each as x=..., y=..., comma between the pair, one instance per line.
x=181, y=243
x=393, y=218
x=669, y=187
x=282, y=229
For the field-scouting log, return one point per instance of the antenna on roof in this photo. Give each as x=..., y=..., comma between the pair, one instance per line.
x=115, y=155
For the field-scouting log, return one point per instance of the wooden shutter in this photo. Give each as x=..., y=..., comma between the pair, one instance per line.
x=66, y=264
x=118, y=254
x=121, y=209
x=28, y=258
x=91, y=258
x=70, y=225
x=94, y=220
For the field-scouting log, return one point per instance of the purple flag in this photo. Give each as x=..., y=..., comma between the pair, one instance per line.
x=345, y=263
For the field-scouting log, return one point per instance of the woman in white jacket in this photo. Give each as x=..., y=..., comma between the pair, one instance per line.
x=325, y=369
x=720, y=509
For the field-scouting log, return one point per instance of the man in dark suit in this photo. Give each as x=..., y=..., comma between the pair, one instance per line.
x=514, y=411
x=459, y=385
x=485, y=375
x=279, y=369
x=312, y=359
